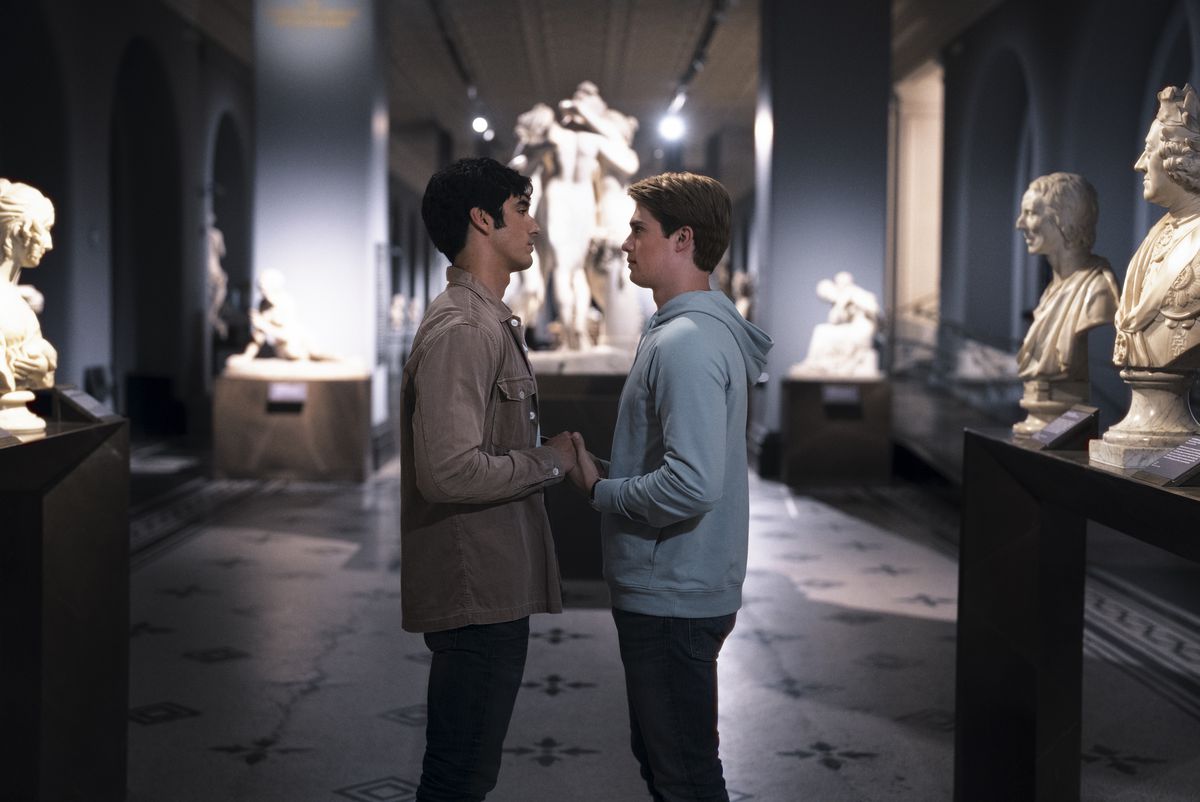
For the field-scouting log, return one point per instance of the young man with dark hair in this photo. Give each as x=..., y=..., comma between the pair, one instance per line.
x=476, y=557
x=674, y=498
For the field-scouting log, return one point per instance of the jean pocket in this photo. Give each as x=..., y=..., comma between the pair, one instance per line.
x=706, y=636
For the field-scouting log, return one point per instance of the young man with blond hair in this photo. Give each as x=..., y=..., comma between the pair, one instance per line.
x=675, y=497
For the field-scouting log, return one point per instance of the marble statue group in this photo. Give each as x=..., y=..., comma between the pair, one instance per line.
x=580, y=158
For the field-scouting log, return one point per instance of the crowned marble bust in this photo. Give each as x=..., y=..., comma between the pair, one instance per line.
x=27, y=361
x=1158, y=343
x=1058, y=220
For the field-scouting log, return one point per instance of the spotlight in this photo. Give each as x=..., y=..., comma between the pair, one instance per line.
x=671, y=128
x=489, y=135
x=480, y=124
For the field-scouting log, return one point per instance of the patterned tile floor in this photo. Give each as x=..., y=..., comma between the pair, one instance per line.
x=268, y=662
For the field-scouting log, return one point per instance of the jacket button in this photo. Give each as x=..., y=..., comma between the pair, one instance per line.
x=521, y=394
x=532, y=415
x=554, y=472
x=512, y=321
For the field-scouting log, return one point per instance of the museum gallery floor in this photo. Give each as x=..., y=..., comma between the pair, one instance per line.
x=268, y=662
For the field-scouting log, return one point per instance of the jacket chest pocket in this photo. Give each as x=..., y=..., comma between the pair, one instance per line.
x=515, y=423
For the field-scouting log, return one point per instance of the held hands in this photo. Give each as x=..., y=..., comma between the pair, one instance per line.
x=586, y=473
x=563, y=443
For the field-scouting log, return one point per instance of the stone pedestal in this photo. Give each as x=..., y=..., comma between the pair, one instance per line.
x=1159, y=419
x=308, y=429
x=1045, y=401
x=836, y=431
x=64, y=604
x=584, y=403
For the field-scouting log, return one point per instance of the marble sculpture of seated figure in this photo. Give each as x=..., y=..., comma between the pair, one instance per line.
x=843, y=345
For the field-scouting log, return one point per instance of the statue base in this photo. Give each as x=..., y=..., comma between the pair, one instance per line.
x=1045, y=401
x=15, y=417
x=1159, y=419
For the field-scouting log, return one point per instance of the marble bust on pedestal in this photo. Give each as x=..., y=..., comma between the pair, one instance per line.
x=27, y=361
x=1158, y=342
x=1058, y=220
x=842, y=346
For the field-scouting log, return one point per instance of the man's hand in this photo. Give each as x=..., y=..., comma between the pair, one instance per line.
x=564, y=444
x=585, y=473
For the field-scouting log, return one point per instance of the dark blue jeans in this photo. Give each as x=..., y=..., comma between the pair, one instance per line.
x=473, y=683
x=671, y=684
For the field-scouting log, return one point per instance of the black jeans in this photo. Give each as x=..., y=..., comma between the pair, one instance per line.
x=473, y=682
x=671, y=684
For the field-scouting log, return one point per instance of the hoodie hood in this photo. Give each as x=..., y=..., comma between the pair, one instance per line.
x=753, y=342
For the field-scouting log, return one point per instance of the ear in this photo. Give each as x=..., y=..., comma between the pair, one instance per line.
x=682, y=239
x=481, y=220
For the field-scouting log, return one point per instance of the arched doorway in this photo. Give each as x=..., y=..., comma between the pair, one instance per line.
x=147, y=245
x=1000, y=158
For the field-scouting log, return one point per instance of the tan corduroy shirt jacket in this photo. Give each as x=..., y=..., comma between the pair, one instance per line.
x=475, y=544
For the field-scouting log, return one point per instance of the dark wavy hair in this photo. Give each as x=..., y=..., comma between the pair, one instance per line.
x=467, y=184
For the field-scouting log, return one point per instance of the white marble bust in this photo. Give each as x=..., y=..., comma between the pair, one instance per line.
x=1158, y=343
x=842, y=347
x=1058, y=220
x=27, y=360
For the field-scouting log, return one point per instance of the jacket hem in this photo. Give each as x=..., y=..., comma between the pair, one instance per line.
x=677, y=603
x=473, y=617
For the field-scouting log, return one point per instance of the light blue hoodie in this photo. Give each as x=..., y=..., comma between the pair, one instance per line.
x=676, y=503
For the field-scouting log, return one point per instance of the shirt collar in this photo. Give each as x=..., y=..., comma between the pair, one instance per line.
x=456, y=275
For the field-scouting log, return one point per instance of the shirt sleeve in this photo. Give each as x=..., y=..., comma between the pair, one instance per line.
x=689, y=383
x=454, y=383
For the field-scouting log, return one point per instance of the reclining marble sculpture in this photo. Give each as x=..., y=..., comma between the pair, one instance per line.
x=1058, y=220
x=27, y=360
x=842, y=347
x=1158, y=343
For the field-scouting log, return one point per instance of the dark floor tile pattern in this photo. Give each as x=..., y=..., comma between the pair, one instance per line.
x=549, y=751
x=1117, y=760
x=554, y=684
x=411, y=716
x=161, y=713
x=218, y=654
x=557, y=635
x=385, y=789
x=829, y=756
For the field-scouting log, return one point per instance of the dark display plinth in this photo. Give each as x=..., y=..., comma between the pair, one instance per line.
x=315, y=430
x=836, y=432
x=64, y=604
x=1020, y=615
x=584, y=403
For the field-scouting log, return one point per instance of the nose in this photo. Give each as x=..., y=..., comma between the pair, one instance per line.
x=1140, y=164
x=47, y=241
x=627, y=245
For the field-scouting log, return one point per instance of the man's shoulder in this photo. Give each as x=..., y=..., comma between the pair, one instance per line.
x=456, y=312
